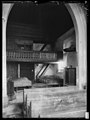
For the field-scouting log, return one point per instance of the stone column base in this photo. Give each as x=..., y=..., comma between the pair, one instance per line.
x=4, y=102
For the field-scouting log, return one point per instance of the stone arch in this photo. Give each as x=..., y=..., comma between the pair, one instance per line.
x=79, y=20
x=5, y=14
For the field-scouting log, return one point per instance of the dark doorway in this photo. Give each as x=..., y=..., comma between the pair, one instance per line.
x=27, y=70
x=70, y=76
x=12, y=68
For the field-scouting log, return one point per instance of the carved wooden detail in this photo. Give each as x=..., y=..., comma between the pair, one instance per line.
x=27, y=56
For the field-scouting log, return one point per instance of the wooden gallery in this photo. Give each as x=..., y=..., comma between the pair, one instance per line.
x=44, y=60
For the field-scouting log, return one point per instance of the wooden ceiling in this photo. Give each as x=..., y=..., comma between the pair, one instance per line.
x=51, y=20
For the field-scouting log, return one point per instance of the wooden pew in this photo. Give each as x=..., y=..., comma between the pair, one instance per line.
x=53, y=102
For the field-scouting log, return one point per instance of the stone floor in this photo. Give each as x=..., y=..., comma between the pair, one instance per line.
x=14, y=108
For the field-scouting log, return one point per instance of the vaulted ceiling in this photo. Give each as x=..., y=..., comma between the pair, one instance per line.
x=53, y=19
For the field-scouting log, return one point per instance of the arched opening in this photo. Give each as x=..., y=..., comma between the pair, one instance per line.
x=80, y=38
x=50, y=24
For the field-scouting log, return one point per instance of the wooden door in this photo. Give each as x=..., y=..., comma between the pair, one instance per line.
x=66, y=77
x=27, y=70
x=70, y=76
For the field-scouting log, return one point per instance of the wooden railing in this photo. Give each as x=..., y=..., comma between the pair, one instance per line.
x=33, y=56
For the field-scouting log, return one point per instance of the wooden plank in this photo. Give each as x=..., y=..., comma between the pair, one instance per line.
x=46, y=101
x=80, y=113
x=25, y=27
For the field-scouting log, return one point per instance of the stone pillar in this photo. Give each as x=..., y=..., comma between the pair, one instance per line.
x=4, y=82
x=79, y=19
x=6, y=9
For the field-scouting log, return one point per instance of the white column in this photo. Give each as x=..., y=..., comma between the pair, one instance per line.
x=18, y=70
x=4, y=82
